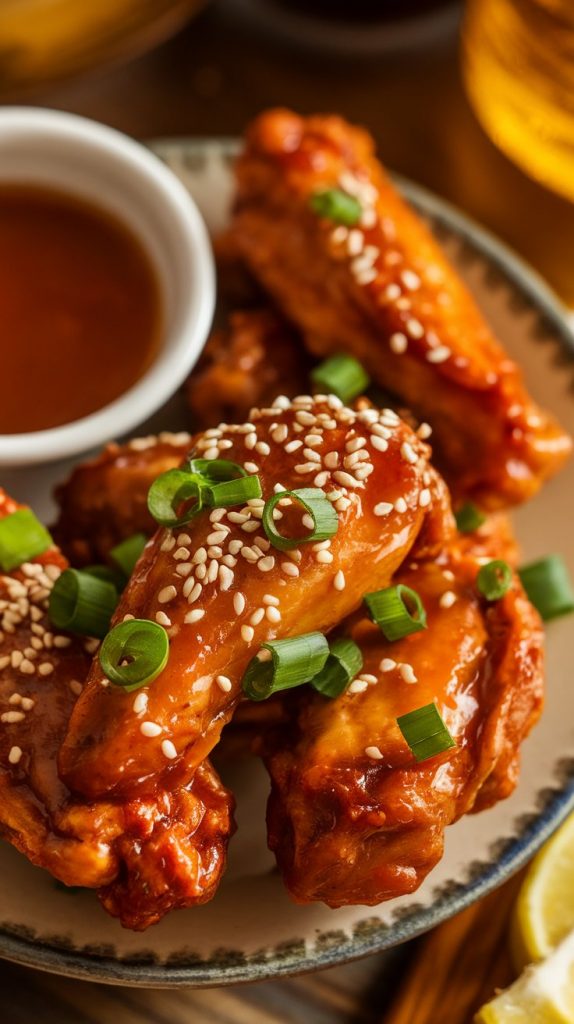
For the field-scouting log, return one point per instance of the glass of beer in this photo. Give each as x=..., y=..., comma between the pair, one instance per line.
x=518, y=66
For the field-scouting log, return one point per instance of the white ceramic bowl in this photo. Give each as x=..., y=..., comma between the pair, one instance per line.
x=91, y=161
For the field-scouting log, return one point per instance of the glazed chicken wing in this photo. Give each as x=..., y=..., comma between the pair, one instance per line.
x=383, y=291
x=145, y=856
x=220, y=589
x=352, y=817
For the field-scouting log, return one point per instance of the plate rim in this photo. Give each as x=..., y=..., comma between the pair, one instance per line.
x=531, y=288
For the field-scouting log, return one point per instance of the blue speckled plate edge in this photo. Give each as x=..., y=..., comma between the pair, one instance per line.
x=336, y=948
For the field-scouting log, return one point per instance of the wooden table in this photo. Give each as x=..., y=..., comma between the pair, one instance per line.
x=210, y=80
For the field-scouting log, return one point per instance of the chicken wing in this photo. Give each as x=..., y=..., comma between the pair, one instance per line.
x=105, y=499
x=145, y=856
x=383, y=291
x=221, y=590
x=352, y=818
x=250, y=361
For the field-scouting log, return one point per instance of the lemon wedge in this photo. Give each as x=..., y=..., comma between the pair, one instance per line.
x=544, y=993
x=544, y=911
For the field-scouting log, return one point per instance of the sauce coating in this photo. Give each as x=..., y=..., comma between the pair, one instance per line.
x=80, y=308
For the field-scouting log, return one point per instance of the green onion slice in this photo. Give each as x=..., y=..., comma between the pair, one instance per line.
x=336, y=205
x=105, y=572
x=82, y=603
x=316, y=503
x=293, y=662
x=215, y=470
x=494, y=579
x=341, y=375
x=167, y=494
x=469, y=518
x=22, y=537
x=398, y=611
x=233, y=492
x=134, y=653
x=128, y=552
x=548, y=586
x=344, y=662
x=425, y=732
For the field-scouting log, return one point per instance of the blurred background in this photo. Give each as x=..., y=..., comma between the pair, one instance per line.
x=435, y=80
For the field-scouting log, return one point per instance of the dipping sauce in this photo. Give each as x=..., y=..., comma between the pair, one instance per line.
x=80, y=309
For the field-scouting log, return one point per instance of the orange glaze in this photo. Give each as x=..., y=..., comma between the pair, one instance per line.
x=80, y=309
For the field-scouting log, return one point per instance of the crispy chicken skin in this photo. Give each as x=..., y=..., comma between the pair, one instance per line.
x=209, y=582
x=250, y=361
x=105, y=499
x=352, y=818
x=384, y=292
x=145, y=856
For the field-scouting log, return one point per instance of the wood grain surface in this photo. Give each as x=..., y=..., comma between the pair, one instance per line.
x=210, y=80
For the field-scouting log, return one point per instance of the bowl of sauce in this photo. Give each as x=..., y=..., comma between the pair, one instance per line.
x=106, y=284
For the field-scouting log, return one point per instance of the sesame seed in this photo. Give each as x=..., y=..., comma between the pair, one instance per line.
x=398, y=343
x=410, y=280
x=150, y=729
x=292, y=446
x=438, y=355
x=184, y=569
x=342, y=504
x=45, y=669
x=266, y=564
x=11, y=717
x=289, y=569
x=373, y=753
x=27, y=667
x=262, y=447
x=345, y=479
x=250, y=441
x=250, y=527
x=447, y=599
x=368, y=678
x=408, y=453
x=339, y=234
x=181, y=554
x=324, y=557
x=62, y=641
x=217, y=537
x=200, y=573
x=214, y=517
x=167, y=594
x=321, y=479
x=162, y=619
x=306, y=467
x=280, y=433
x=14, y=755
x=212, y=571
x=257, y=616
x=368, y=217
x=168, y=543
x=355, y=242
x=140, y=703
x=407, y=673
x=400, y=505
x=311, y=455
x=238, y=603
x=306, y=419
x=224, y=683
x=424, y=497
x=194, y=592
x=168, y=750
x=339, y=581
x=387, y=665
x=415, y=328
x=5, y=661
x=17, y=658
x=250, y=467
x=424, y=431
x=235, y=546
x=331, y=460
x=358, y=686
x=194, y=616
x=247, y=633
x=270, y=599
x=273, y=614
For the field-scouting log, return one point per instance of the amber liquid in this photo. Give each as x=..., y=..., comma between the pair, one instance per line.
x=518, y=63
x=80, y=309
x=42, y=40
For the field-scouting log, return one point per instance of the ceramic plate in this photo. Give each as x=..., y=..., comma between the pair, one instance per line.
x=251, y=930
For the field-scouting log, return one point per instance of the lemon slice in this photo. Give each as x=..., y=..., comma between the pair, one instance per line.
x=544, y=911
x=544, y=994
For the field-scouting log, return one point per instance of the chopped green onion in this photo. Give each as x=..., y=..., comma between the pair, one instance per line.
x=316, y=504
x=128, y=552
x=167, y=494
x=105, y=572
x=548, y=586
x=425, y=732
x=494, y=579
x=342, y=376
x=81, y=603
x=134, y=653
x=214, y=470
x=233, y=492
x=469, y=518
x=336, y=205
x=293, y=661
x=22, y=537
x=398, y=611
x=344, y=662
